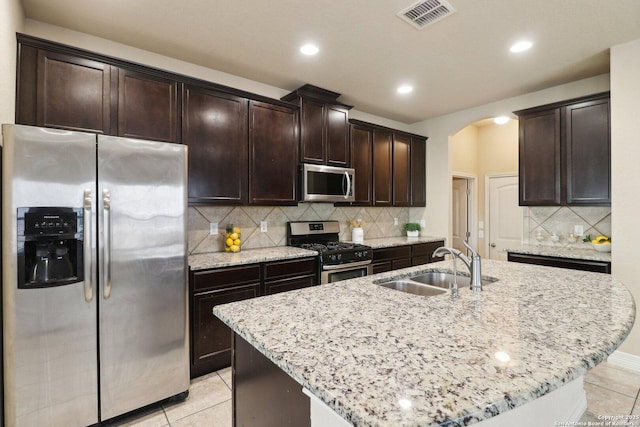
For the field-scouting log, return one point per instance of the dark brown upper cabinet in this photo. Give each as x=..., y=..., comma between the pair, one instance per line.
x=390, y=166
x=324, y=126
x=588, y=145
x=401, y=170
x=565, y=153
x=63, y=91
x=215, y=128
x=273, y=154
x=147, y=106
x=361, y=161
x=382, y=167
x=418, y=171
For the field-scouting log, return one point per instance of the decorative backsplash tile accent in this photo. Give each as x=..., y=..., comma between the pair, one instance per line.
x=378, y=223
x=595, y=220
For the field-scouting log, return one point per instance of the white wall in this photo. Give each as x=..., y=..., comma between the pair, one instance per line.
x=625, y=174
x=440, y=129
x=11, y=20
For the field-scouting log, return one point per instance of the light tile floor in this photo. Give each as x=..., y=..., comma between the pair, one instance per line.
x=611, y=390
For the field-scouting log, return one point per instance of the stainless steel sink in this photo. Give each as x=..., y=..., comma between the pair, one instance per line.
x=442, y=279
x=413, y=287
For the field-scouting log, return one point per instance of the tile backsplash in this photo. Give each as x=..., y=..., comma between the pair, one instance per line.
x=378, y=223
x=595, y=220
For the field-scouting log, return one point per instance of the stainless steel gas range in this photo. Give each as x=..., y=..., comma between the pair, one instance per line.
x=337, y=260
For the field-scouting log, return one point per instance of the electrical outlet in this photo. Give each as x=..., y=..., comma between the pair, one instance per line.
x=578, y=230
x=213, y=228
x=480, y=224
x=423, y=223
x=480, y=234
x=263, y=226
x=395, y=221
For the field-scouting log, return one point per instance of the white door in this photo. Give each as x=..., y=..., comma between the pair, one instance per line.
x=505, y=216
x=460, y=209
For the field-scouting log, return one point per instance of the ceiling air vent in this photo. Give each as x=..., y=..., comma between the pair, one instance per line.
x=426, y=12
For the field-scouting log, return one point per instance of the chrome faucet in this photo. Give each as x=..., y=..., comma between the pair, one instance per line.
x=473, y=263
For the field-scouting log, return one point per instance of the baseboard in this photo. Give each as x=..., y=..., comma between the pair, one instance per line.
x=625, y=360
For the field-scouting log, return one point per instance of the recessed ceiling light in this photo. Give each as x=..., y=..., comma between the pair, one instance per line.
x=309, y=49
x=521, y=46
x=404, y=89
x=501, y=120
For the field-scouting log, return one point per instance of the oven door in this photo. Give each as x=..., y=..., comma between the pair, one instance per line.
x=335, y=273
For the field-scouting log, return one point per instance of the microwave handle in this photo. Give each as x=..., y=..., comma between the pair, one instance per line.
x=348, y=192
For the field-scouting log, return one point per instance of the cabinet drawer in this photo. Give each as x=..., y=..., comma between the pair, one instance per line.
x=223, y=277
x=289, y=284
x=291, y=268
x=401, y=263
x=421, y=249
x=395, y=252
x=381, y=267
x=419, y=260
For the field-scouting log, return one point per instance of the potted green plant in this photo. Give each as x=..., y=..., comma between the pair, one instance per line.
x=412, y=229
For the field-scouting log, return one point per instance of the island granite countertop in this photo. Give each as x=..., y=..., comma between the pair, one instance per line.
x=363, y=348
x=246, y=256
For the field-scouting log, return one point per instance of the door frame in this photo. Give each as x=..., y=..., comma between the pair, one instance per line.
x=472, y=207
x=487, y=205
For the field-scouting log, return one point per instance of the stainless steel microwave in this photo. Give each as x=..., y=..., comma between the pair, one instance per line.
x=327, y=183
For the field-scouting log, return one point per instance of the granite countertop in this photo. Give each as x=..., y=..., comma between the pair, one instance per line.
x=246, y=256
x=385, y=242
x=561, y=252
x=366, y=350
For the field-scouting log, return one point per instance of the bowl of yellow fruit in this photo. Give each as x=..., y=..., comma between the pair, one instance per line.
x=601, y=243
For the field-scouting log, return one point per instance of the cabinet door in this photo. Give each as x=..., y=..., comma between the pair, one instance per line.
x=312, y=132
x=73, y=93
x=588, y=148
x=382, y=167
x=215, y=127
x=418, y=172
x=147, y=106
x=337, y=137
x=361, y=161
x=401, y=170
x=211, y=339
x=539, y=158
x=273, y=154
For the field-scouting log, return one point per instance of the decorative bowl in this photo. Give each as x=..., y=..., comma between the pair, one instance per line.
x=602, y=247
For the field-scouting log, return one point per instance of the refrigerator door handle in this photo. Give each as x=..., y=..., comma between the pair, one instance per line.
x=106, y=201
x=88, y=236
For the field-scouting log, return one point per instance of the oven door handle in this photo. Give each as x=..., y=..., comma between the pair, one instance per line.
x=347, y=265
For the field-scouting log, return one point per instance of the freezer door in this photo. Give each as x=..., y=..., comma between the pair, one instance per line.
x=49, y=334
x=143, y=273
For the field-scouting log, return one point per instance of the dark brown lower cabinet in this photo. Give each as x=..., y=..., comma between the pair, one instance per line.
x=263, y=394
x=422, y=253
x=211, y=339
x=282, y=276
x=396, y=257
x=573, y=264
x=393, y=258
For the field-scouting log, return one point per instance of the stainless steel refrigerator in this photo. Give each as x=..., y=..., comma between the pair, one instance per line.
x=94, y=275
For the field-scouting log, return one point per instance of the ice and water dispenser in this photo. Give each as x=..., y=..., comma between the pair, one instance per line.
x=50, y=246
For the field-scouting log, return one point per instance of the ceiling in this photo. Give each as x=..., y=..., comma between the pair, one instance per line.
x=366, y=51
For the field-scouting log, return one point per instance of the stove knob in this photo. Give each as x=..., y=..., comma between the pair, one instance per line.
x=339, y=256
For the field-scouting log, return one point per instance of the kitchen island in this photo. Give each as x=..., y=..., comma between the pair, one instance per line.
x=381, y=357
